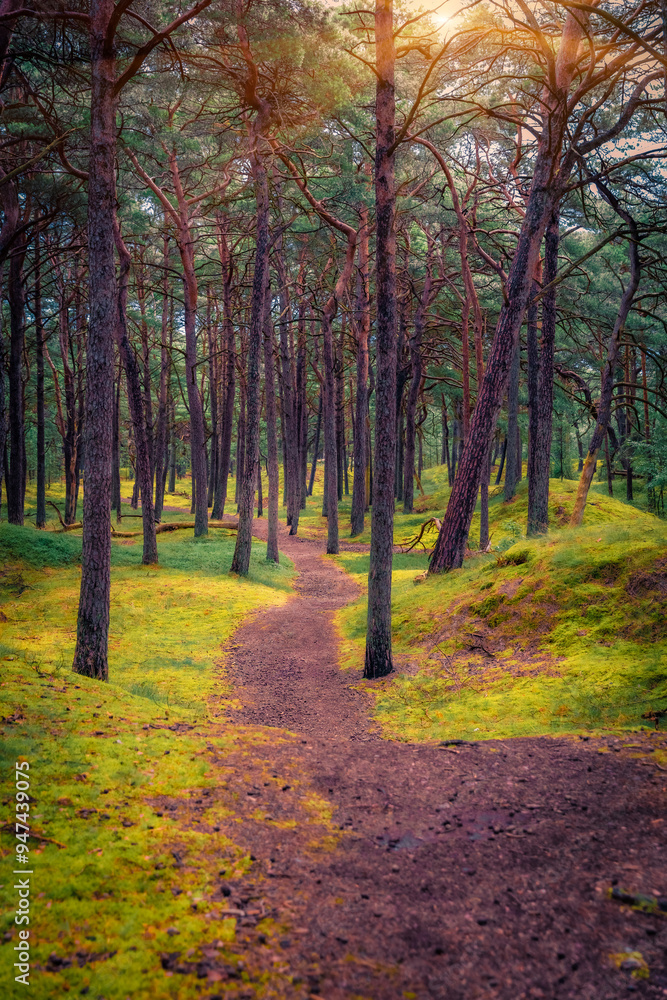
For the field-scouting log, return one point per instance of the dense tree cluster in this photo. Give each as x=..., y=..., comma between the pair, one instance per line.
x=246, y=233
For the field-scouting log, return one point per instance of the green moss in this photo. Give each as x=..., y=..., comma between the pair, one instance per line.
x=561, y=634
x=103, y=758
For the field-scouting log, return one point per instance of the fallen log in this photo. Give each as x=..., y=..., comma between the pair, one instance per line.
x=124, y=534
x=160, y=528
x=175, y=525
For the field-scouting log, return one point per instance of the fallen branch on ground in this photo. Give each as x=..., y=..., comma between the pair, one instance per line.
x=433, y=524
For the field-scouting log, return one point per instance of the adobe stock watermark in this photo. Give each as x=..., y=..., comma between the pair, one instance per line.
x=22, y=885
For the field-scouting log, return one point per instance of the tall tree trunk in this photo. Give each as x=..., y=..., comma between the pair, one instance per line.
x=301, y=400
x=213, y=381
x=444, y=455
x=340, y=410
x=16, y=416
x=378, y=660
x=229, y=367
x=512, y=426
x=272, y=554
x=610, y=478
x=195, y=406
x=241, y=560
x=146, y=374
x=115, y=455
x=90, y=657
x=240, y=444
x=415, y=385
x=484, y=506
x=400, y=452
x=316, y=446
x=362, y=330
x=172, y=450
x=540, y=453
x=290, y=440
x=165, y=363
x=330, y=456
x=545, y=192
x=607, y=387
x=503, y=453
x=647, y=429
x=40, y=519
x=3, y=424
x=136, y=401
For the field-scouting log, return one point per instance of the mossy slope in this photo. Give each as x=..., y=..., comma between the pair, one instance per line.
x=562, y=634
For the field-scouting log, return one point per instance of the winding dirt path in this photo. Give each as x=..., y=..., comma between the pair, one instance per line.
x=285, y=659
x=468, y=872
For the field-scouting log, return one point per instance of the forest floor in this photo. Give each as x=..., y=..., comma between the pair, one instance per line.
x=236, y=815
x=474, y=870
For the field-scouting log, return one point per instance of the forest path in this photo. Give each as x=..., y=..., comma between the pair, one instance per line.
x=469, y=872
x=285, y=659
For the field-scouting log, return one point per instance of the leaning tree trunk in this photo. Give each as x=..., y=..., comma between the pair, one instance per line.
x=545, y=191
x=607, y=387
x=241, y=560
x=272, y=553
x=136, y=402
x=378, y=637
x=540, y=445
x=90, y=657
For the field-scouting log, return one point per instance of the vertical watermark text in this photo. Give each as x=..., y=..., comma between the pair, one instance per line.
x=22, y=868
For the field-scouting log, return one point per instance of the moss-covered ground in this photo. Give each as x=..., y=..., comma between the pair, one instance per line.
x=131, y=824
x=564, y=634
x=118, y=879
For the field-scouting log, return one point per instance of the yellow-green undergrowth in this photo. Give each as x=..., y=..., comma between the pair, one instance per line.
x=562, y=634
x=106, y=887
